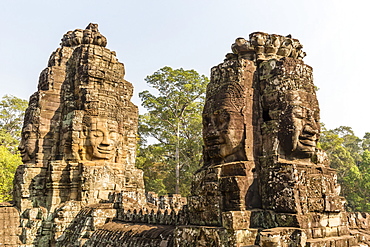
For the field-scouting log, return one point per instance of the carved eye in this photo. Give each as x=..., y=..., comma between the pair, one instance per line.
x=26, y=134
x=206, y=120
x=97, y=133
x=113, y=134
x=298, y=112
x=224, y=118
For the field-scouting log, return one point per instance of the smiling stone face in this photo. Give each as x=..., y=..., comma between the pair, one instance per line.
x=290, y=109
x=223, y=125
x=223, y=133
x=228, y=114
x=299, y=130
x=27, y=146
x=102, y=139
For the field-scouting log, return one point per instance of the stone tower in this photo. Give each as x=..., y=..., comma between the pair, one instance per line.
x=79, y=137
x=264, y=182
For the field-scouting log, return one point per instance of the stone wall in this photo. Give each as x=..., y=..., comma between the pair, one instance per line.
x=10, y=229
x=125, y=234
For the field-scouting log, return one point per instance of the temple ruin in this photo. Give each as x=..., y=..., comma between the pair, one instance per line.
x=263, y=181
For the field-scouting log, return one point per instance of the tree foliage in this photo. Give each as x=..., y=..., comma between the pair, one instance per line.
x=350, y=156
x=174, y=121
x=8, y=164
x=11, y=119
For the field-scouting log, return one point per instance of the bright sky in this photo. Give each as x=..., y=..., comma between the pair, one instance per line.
x=196, y=34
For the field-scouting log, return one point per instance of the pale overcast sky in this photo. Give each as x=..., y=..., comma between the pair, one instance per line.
x=196, y=34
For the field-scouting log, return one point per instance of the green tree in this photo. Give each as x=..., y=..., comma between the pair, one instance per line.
x=364, y=183
x=11, y=119
x=8, y=164
x=174, y=120
x=150, y=158
x=350, y=156
x=350, y=141
x=366, y=142
x=343, y=161
x=340, y=156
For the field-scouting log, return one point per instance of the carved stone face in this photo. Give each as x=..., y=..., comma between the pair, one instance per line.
x=27, y=146
x=290, y=109
x=77, y=37
x=258, y=39
x=67, y=39
x=87, y=36
x=286, y=47
x=299, y=131
x=103, y=139
x=223, y=134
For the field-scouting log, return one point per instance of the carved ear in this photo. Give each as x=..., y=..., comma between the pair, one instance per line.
x=84, y=131
x=82, y=152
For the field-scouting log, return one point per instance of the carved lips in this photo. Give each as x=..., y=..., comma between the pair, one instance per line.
x=213, y=142
x=104, y=150
x=308, y=139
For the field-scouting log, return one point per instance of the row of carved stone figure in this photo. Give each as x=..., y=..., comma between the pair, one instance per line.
x=266, y=46
x=153, y=216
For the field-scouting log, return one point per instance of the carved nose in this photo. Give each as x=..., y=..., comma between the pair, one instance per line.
x=21, y=147
x=212, y=131
x=105, y=140
x=309, y=129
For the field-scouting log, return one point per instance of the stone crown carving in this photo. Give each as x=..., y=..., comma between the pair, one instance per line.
x=265, y=46
x=90, y=35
